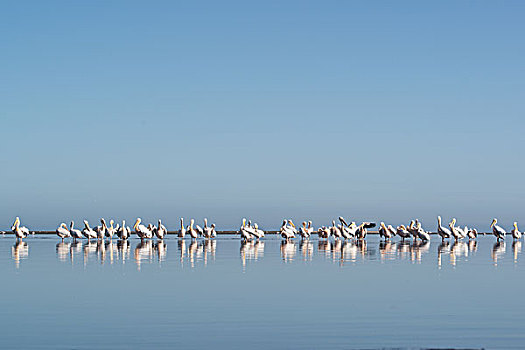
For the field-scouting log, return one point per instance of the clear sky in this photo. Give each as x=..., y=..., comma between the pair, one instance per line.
x=374, y=110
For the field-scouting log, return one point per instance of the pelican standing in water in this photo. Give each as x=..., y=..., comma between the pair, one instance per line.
x=456, y=232
x=182, y=230
x=75, y=234
x=20, y=232
x=516, y=234
x=287, y=230
x=472, y=234
x=384, y=232
x=303, y=232
x=421, y=233
x=335, y=231
x=63, y=232
x=101, y=230
x=160, y=230
x=323, y=232
x=141, y=230
x=111, y=230
x=443, y=231
x=88, y=232
x=123, y=232
x=193, y=232
x=246, y=236
x=402, y=232
x=497, y=231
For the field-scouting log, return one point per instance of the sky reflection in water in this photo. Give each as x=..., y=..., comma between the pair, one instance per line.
x=227, y=294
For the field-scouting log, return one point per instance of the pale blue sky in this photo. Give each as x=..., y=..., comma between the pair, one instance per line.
x=372, y=110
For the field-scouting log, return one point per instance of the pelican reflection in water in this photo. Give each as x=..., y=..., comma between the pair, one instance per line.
x=251, y=250
x=457, y=250
x=288, y=250
x=516, y=250
x=387, y=250
x=160, y=249
x=498, y=251
x=123, y=250
x=307, y=249
x=443, y=248
x=143, y=252
x=63, y=251
x=210, y=246
x=19, y=251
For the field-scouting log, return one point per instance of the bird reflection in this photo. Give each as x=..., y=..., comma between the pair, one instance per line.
x=459, y=249
x=143, y=252
x=89, y=248
x=498, y=250
x=349, y=252
x=418, y=248
x=160, y=250
x=62, y=250
x=194, y=252
x=516, y=250
x=19, y=251
x=403, y=250
x=210, y=246
x=472, y=246
x=324, y=247
x=74, y=249
x=443, y=248
x=123, y=250
x=387, y=250
x=181, y=247
x=251, y=250
x=307, y=250
x=288, y=250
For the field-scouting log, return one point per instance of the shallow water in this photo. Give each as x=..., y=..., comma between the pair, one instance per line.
x=226, y=295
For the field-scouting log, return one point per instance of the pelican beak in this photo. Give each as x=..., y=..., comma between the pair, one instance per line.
x=136, y=224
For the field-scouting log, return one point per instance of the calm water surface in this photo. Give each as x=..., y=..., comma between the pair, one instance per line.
x=222, y=294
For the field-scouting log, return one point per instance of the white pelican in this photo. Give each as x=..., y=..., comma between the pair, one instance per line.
x=497, y=231
x=75, y=234
x=193, y=232
x=421, y=233
x=287, y=230
x=62, y=231
x=88, y=232
x=384, y=231
x=516, y=234
x=101, y=230
x=141, y=230
x=111, y=230
x=257, y=231
x=346, y=232
x=245, y=234
x=303, y=232
x=323, y=232
x=20, y=232
x=213, y=233
x=310, y=228
x=199, y=230
x=160, y=230
x=472, y=234
x=182, y=230
x=392, y=230
x=456, y=232
x=412, y=229
x=123, y=232
x=443, y=231
x=207, y=230
x=402, y=232
x=362, y=229
x=335, y=231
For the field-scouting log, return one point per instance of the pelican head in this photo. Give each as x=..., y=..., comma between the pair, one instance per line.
x=284, y=222
x=111, y=222
x=191, y=223
x=213, y=225
x=291, y=223
x=515, y=225
x=16, y=223
x=243, y=222
x=205, y=222
x=494, y=222
x=382, y=224
x=453, y=222
x=137, y=223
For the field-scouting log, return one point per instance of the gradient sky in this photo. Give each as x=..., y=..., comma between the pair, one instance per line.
x=228, y=109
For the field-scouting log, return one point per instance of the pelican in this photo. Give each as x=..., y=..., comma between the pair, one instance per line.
x=20, y=232
x=199, y=230
x=193, y=232
x=362, y=229
x=101, y=230
x=456, y=232
x=335, y=231
x=245, y=234
x=303, y=231
x=182, y=230
x=472, y=234
x=123, y=232
x=160, y=230
x=402, y=232
x=88, y=232
x=346, y=231
x=516, y=234
x=75, y=234
x=141, y=230
x=310, y=228
x=213, y=233
x=412, y=228
x=110, y=231
x=392, y=230
x=207, y=231
x=287, y=230
x=384, y=231
x=257, y=231
x=421, y=233
x=443, y=231
x=323, y=232
x=63, y=232
x=497, y=230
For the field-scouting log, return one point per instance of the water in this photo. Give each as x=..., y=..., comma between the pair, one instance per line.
x=222, y=294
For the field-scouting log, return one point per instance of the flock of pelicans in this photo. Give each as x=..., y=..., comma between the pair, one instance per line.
x=250, y=231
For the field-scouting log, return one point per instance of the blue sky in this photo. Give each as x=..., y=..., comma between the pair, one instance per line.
x=371, y=110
